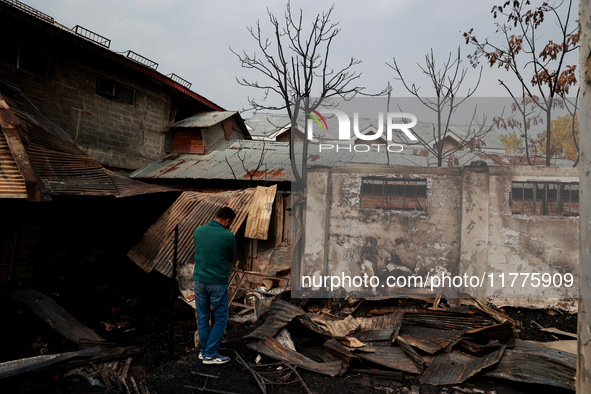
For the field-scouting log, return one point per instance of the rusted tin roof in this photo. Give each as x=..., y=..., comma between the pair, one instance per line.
x=270, y=161
x=205, y=119
x=127, y=187
x=190, y=210
x=243, y=160
x=37, y=153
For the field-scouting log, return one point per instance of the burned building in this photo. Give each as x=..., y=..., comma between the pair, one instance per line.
x=115, y=106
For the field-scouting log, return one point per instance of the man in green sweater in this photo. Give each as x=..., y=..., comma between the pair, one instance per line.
x=215, y=249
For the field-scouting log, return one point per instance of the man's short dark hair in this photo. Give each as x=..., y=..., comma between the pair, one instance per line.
x=225, y=213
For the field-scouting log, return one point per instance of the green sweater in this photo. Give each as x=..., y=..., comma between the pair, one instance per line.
x=215, y=249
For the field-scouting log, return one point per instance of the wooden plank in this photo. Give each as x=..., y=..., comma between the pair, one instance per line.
x=279, y=219
x=259, y=214
x=8, y=123
x=12, y=183
x=287, y=218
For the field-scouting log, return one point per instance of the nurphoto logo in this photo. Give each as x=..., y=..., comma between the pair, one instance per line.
x=395, y=122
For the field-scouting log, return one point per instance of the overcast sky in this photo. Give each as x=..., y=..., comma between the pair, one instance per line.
x=192, y=38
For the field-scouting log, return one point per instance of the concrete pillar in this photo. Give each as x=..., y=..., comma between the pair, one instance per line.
x=584, y=325
x=474, y=230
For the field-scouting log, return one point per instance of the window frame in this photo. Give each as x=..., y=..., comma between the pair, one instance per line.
x=389, y=187
x=550, y=194
x=116, y=88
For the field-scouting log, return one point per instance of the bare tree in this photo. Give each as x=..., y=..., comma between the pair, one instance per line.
x=447, y=83
x=250, y=168
x=541, y=71
x=294, y=64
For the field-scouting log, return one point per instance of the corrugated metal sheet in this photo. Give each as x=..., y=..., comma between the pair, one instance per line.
x=62, y=167
x=455, y=368
x=270, y=161
x=56, y=316
x=269, y=126
x=280, y=313
x=12, y=183
x=391, y=357
x=24, y=365
x=127, y=187
x=206, y=119
x=430, y=340
x=535, y=363
x=259, y=216
x=272, y=348
x=213, y=137
x=242, y=160
x=190, y=210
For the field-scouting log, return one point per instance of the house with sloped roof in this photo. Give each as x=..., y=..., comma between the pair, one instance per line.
x=115, y=105
x=277, y=127
x=269, y=127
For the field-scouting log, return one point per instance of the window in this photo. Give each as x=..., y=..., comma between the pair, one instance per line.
x=394, y=194
x=114, y=91
x=26, y=59
x=545, y=198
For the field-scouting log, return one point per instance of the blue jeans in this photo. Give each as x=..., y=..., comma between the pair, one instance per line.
x=211, y=327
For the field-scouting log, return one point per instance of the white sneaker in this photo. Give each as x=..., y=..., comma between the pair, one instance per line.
x=216, y=360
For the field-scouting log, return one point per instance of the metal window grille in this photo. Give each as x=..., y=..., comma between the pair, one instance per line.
x=545, y=198
x=394, y=194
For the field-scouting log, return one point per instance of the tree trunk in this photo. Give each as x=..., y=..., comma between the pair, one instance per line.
x=549, y=133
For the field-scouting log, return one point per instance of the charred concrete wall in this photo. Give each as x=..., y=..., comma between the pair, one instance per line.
x=518, y=243
x=376, y=241
x=468, y=226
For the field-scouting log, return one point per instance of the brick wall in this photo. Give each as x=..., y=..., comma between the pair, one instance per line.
x=115, y=133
